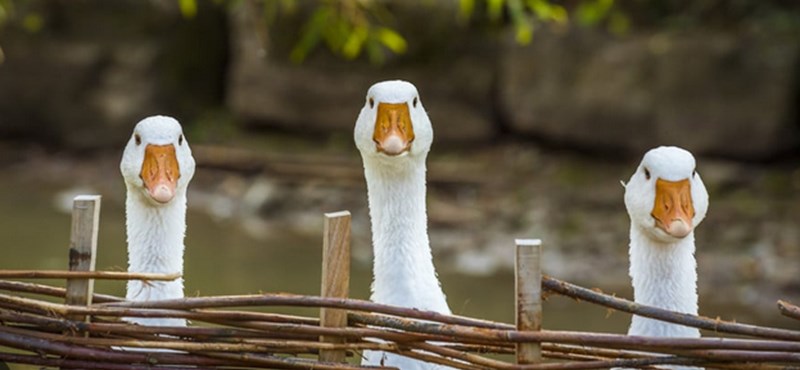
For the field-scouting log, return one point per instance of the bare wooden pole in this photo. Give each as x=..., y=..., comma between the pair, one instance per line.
x=83, y=249
x=528, y=289
x=335, y=278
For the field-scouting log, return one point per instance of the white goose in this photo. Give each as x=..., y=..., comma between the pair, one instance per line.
x=157, y=166
x=666, y=200
x=393, y=134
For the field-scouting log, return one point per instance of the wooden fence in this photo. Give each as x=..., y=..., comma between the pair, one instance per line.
x=87, y=331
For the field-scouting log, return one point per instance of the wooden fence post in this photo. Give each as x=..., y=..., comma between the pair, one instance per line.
x=83, y=249
x=528, y=289
x=335, y=278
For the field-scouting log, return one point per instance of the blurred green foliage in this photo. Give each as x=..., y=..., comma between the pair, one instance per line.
x=188, y=8
x=524, y=14
x=348, y=28
x=353, y=28
x=592, y=13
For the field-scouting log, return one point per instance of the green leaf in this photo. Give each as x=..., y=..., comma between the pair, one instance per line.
x=524, y=33
x=188, y=8
x=495, y=9
x=465, y=9
x=523, y=24
x=541, y=8
x=312, y=34
x=591, y=12
x=559, y=14
x=352, y=47
x=336, y=31
x=546, y=11
x=33, y=23
x=6, y=10
x=392, y=40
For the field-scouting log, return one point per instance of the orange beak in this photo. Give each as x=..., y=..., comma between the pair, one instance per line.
x=673, y=209
x=160, y=172
x=393, y=131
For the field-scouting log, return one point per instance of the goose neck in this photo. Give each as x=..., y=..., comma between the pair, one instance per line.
x=664, y=275
x=403, y=265
x=155, y=234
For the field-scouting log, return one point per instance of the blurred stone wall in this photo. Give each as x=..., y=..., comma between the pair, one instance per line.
x=99, y=66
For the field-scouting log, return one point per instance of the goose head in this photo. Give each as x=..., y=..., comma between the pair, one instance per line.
x=665, y=197
x=393, y=125
x=157, y=162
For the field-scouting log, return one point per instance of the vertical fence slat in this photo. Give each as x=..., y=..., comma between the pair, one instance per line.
x=83, y=249
x=335, y=277
x=528, y=289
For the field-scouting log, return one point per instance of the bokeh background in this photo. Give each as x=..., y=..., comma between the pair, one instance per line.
x=539, y=108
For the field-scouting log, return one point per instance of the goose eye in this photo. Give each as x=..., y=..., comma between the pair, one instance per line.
x=415, y=102
x=647, y=173
x=371, y=103
x=180, y=140
x=694, y=173
x=138, y=139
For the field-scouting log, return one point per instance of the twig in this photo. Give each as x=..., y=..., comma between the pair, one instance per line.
x=463, y=356
x=288, y=362
x=105, y=275
x=25, y=287
x=606, y=364
x=789, y=310
x=426, y=357
x=571, y=290
x=242, y=346
x=293, y=300
x=35, y=345
x=464, y=333
x=86, y=364
x=102, y=310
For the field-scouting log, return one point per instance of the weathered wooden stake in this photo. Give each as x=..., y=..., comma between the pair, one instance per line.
x=83, y=249
x=335, y=277
x=528, y=289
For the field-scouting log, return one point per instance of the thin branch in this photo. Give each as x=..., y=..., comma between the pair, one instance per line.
x=86, y=364
x=25, y=287
x=574, y=291
x=104, y=275
x=464, y=333
x=789, y=310
x=293, y=300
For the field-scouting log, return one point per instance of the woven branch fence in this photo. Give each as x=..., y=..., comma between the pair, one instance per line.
x=88, y=331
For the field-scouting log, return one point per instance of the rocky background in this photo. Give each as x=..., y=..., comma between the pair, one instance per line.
x=93, y=67
x=531, y=140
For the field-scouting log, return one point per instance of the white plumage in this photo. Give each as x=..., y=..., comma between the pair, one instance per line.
x=666, y=200
x=157, y=166
x=394, y=134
